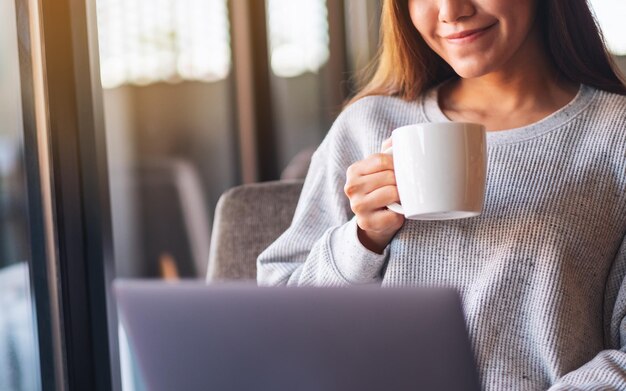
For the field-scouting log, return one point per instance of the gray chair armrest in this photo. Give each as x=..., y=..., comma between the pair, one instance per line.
x=247, y=219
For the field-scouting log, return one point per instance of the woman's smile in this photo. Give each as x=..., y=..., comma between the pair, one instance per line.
x=476, y=37
x=469, y=36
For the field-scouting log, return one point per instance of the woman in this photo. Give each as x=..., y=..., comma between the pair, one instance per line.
x=542, y=270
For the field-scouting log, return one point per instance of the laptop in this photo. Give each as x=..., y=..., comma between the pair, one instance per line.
x=192, y=336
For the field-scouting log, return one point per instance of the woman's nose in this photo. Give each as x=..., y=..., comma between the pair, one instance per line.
x=451, y=11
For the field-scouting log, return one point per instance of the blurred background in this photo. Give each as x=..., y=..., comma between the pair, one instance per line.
x=204, y=95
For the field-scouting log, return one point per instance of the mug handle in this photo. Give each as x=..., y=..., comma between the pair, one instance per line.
x=394, y=207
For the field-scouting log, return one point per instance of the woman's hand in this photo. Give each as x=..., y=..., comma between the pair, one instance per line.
x=371, y=186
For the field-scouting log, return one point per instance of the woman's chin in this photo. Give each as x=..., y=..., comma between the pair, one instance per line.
x=472, y=70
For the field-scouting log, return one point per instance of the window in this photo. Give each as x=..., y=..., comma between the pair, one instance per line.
x=19, y=353
x=298, y=36
x=610, y=15
x=144, y=41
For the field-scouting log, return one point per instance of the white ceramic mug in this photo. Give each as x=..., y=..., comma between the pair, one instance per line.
x=440, y=169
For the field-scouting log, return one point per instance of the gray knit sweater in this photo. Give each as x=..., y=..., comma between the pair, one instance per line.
x=541, y=271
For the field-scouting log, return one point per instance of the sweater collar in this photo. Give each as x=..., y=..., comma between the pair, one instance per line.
x=432, y=112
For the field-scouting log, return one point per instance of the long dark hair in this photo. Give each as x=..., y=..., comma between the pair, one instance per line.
x=406, y=66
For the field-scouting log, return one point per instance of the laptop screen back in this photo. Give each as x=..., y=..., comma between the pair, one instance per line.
x=190, y=336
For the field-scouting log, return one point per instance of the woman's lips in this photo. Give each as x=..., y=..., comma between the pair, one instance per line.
x=468, y=35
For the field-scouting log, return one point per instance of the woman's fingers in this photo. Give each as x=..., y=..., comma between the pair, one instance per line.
x=370, y=187
x=366, y=184
x=377, y=199
x=383, y=196
x=373, y=163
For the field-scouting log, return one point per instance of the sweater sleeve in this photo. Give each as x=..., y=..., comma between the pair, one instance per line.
x=321, y=246
x=607, y=370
